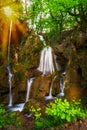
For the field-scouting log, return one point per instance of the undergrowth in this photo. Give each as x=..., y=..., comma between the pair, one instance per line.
x=58, y=113
x=7, y=119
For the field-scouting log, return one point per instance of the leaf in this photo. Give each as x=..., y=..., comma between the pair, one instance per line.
x=63, y=116
x=68, y=118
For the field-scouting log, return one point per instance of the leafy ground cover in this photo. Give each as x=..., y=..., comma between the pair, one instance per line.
x=59, y=115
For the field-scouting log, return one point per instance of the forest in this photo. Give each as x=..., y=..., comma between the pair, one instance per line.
x=43, y=64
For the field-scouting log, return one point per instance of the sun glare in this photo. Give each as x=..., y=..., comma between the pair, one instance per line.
x=8, y=11
x=8, y=14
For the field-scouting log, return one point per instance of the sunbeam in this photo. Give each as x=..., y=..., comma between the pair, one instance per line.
x=7, y=14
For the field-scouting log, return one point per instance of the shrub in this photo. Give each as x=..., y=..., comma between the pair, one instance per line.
x=40, y=122
x=8, y=118
x=63, y=111
x=58, y=113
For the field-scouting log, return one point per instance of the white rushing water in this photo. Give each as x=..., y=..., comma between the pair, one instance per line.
x=10, y=84
x=50, y=92
x=46, y=61
x=29, y=83
x=42, y=39
x=9, y=41
x=62, y=85
x=17, y=107
x=8, y=68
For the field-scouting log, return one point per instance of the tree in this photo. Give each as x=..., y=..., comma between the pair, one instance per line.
x=58, y=15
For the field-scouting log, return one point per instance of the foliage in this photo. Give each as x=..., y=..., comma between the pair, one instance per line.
x=58, y=113
x=51, y=16
x=36, y=112
x=63, y=111
x=40, y=122
x=7, y=119
x=58, y=15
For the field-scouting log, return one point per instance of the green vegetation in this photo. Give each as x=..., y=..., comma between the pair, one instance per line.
x=58, y=113
x=7, y=119
x=52, y=17
x=36, y=112
x=58, y=15
x=65, y=111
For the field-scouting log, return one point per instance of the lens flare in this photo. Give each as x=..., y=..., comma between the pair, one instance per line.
x=8, y=11
x=7, y=14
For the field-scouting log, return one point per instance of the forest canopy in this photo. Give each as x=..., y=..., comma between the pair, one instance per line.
x=58, y=15
x=52, y=17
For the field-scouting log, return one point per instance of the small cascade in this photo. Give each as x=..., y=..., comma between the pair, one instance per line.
x=46, y=61
x=50, y=92
x=29, y=83
x=62, y=85
x=42, y=39
x=8, y=68
x=17, y=107
x=10, y=75
x=9, y=41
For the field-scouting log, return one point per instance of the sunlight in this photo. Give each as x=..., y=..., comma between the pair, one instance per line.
x=4, y=38
x=8, y=14
x=8, y=11
x=20, y=27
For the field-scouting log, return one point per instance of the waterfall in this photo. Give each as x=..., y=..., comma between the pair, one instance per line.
x=9, y=41
x=8, y=68
x=9, y=81
x=42, y=39
x=29, y=83
x=62, y=85
x=19, y=107
x=46, y=61
x=50, y=92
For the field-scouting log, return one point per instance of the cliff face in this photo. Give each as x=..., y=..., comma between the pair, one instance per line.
x=76, y=76
x=71, y=56
x=73, y=77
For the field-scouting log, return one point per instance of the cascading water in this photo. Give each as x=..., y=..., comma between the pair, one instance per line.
x=9, y=81
x=8, y=68
x=62, y=85
x=29, y=83
x=50, y=92
x=9, y=41
x=46, y=61
x=48, y=64
x=19, y=107
x=42, y=39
